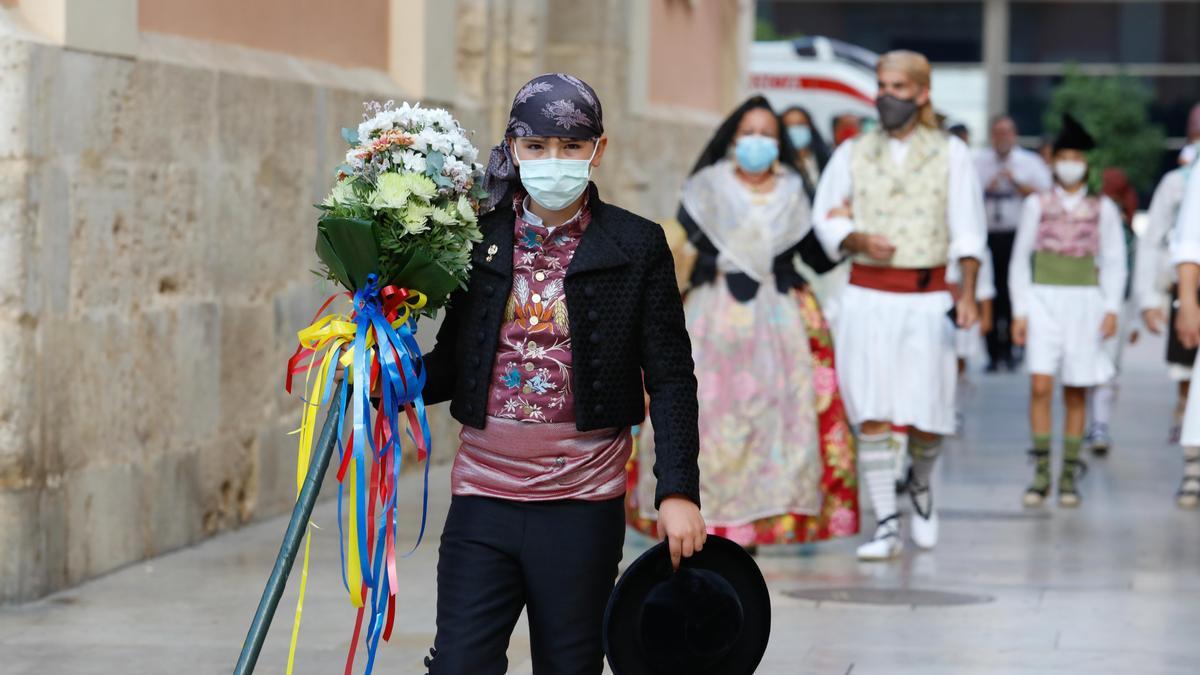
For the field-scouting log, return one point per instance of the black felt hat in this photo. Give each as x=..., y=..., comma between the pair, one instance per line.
x=1073, y=136
x=713, y=616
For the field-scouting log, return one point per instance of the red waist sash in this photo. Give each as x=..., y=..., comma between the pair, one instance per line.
x=898, y=280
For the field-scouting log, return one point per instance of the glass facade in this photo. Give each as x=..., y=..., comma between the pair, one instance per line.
x=943, y=31
x=1104, y=32
x=1158, y=42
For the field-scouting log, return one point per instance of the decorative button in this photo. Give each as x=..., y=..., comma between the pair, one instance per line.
x=593, y=315
x=475, y=361
x=539, y=276
x=595, y=338
x=533, y=321
x=596, y=363
x=560, y=462
x=536, y=298
x=472, y=384
x=597, y=386
x=489, y=290
x=599, y=409
x=479, y=337
x=590, y=291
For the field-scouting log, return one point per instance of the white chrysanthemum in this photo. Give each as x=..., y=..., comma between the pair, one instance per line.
x=341, y=194
x=443, y=216
x=412, y=161
x=395, y=190
x=464, y=150
x=455, y=167
x=402, y=116
x=465, y=212
x=443, y=118
x=433, y=141
x=416, y=218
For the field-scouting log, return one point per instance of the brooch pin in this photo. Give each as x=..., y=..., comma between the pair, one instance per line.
x=491, y=252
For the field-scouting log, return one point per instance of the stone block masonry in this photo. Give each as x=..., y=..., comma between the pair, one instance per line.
x=156, y=230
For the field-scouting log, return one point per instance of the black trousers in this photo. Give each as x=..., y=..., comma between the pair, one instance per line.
x=999, y=338
x=497, y=556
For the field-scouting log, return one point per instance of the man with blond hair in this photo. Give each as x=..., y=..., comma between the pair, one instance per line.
x=904, y=201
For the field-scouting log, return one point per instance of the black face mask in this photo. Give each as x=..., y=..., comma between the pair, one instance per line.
x=894, y=112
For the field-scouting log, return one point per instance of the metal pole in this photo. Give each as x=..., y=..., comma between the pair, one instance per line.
x=301, y=513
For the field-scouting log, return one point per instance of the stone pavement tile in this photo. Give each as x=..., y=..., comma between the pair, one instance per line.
x=1113, y=587
x=861, y=659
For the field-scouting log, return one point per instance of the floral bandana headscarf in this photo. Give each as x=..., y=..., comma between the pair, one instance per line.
x=555, y=105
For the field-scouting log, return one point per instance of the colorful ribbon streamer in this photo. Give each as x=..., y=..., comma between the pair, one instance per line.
x=384, y=359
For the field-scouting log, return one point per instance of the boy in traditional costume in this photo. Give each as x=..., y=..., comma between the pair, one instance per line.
x=547, y=397
x=904, y=200
x=1067, y=283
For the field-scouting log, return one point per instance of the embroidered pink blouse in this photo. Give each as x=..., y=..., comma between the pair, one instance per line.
x=1072, y=232
x=531, y=378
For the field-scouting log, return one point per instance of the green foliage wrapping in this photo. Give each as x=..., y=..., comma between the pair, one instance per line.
x=1115, y=111
x=354, y=240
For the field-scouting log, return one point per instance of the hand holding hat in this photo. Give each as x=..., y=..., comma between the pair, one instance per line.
x=713, y=615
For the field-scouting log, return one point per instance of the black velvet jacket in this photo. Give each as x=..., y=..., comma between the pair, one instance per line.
x=741, y=286
x=627, y=330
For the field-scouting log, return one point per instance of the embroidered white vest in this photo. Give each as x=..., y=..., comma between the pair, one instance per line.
x=906, y=203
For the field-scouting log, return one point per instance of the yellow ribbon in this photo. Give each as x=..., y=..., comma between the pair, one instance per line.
x=329, y=334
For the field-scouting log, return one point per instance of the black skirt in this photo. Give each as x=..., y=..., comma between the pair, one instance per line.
x=1176, y=352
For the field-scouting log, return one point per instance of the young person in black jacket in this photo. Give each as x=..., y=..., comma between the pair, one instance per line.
x=570, y=315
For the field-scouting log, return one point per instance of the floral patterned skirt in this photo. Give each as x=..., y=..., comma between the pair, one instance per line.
x=777, y=458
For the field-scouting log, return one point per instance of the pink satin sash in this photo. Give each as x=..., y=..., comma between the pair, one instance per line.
x=532, y=462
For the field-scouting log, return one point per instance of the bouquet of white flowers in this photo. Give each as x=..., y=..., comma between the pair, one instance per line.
x=404, y=205
x=397, y=232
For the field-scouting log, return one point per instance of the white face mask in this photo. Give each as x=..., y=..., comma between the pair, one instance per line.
x=1070, y=172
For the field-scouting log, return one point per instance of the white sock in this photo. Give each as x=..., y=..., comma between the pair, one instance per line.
x=877, y=461
x=1100, y=403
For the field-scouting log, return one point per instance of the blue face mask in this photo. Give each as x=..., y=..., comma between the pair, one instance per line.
x=800, y=135
x=756, y=154
x=556, y=183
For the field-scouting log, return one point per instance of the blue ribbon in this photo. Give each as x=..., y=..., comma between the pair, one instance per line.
x=402, y=376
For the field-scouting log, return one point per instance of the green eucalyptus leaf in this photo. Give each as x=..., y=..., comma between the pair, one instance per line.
x=434, y=163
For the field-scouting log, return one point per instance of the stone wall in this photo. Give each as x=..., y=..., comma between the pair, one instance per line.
x=155, y=255
x=155, y=261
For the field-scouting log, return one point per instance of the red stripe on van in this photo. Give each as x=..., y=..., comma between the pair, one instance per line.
x=765, y=81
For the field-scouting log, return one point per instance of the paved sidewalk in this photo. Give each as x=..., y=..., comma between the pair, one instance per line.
x=1111, y=588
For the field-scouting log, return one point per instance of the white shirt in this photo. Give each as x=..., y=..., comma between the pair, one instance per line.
x=964, y=204
x=985, y=281
x=1110, y=261
x=535, y=220
x=1003, y=202
x=1186, y=246
x=1150, y=274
